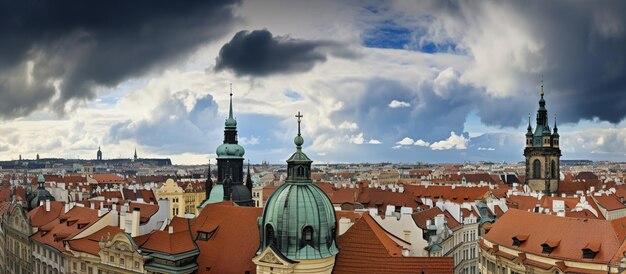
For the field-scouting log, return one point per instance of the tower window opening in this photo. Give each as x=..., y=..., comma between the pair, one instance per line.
x=300, y=171
x=553, y=170
x=536, y=169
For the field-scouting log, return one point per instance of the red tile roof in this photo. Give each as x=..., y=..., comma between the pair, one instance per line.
x=235, y=241
x=174, y=243
x=421, y=217
x=572, y=235
x=90, y=244
x=39, y=216
x=456, y=194
x=65, y=227
x=108, y=178
x=608, y=202
x=366, y=248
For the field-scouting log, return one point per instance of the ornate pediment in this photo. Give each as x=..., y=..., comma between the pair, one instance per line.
x=271, y=257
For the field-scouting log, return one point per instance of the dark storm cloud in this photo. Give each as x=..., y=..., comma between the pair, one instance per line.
x=259, y=53
x=581, y=52
x=435, y=111
x=55, y=52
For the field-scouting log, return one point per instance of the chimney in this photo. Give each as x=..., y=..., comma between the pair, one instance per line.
x=92, y=205
x=135, y=223
x=170, y=229
x=47, y=205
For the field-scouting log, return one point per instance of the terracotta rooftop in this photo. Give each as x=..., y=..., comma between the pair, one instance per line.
x=39, y=216
x=164, y=242
x=108, y=178
x=568, y=235
x=366, y=248
x=90, y=244
x=235, y=240
x=608, y=202
x=448, y=193
x=421, y=217
x=64, y=228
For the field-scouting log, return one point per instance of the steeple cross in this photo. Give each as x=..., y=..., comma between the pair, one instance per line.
x=541, y=84
x=299, y=116
x=231, y=89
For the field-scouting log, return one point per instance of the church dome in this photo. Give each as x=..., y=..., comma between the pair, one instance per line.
x=40, y=194
x=230, y=151
x=299, y=219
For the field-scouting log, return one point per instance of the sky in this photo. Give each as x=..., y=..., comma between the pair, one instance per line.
x=376, y=81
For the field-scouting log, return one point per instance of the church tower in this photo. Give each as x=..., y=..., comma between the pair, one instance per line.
x=298, y=227
x=229, y=185
x=542, y=152
x=99, y=154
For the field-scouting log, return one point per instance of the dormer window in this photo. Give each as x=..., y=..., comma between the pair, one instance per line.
x=590, y=250
x=548, y=246
x=205, y=236
x=519, y=239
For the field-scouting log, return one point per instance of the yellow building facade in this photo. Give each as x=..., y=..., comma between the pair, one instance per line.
x=183, y=200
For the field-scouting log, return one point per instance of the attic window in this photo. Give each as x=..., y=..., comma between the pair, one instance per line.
x=549, y=245
x=588, y=253
x=519, y=239
x=590, y=250
x=205, y=236
x=546, y=249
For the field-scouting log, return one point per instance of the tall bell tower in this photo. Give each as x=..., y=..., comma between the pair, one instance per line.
x=542, y=152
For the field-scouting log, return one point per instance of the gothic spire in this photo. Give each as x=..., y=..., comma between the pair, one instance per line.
x=530, y=128
x=249, y=178
x=556, y=130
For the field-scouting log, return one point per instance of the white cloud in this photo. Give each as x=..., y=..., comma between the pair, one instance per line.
x=405, y=142
x=486, y=148
x=351, y=126
x=252, y=140
x=357, y=139
x=374, y=142
x=421, y=143
x=453, y=142
x=399, y=104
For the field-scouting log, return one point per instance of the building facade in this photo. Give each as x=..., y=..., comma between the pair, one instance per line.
x=17, y=246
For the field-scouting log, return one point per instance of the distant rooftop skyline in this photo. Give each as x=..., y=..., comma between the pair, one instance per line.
x=393, y=81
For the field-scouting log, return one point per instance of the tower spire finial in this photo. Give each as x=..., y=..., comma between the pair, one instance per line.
x=230, y=110
x=299, y=140
x=299, y=116
x=541, y=85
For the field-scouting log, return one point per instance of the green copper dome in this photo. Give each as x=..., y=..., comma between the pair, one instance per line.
x=230, y=151
x=299, y=219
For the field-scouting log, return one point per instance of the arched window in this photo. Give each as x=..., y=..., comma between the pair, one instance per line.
x=269, y=235
x=307, y=234
x=300, y=171
x=536, y=169
x=553, y=170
